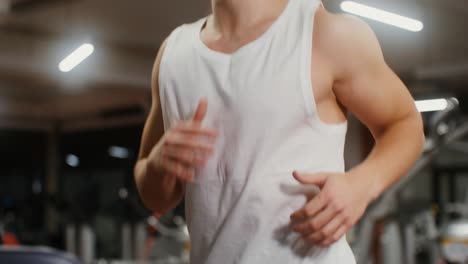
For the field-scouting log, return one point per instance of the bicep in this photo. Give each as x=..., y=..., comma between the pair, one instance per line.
x=376, y=97
x=369, y=88
x=154, y=127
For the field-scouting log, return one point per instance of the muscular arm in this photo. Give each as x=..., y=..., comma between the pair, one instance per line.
x=159, y=191
x=368, y=88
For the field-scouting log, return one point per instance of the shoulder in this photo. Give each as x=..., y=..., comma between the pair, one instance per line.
x=346, y=40
x=343, y=25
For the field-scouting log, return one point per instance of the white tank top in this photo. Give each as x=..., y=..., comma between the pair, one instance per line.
x=260, y=99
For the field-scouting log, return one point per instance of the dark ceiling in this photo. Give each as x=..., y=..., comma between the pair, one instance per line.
x=35, y=35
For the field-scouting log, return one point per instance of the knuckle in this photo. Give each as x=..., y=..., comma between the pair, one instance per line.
x=348, y=221
x=323, y=233
x=308, y=212
x=313, y=225
x=300, y=228
x=337, y=206
x=336, y=237
x=341, y=207
x=317, y=225
x=325, y=197
x=333, y=206
x=337, y=203
x=332, y=198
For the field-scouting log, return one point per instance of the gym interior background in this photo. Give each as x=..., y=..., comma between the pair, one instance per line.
x=69, y=137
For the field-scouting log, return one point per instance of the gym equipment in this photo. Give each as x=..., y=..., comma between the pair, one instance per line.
x=455, y=241
x=174, y=236
x=443, y=130
x=80, y=240
x=35, y=255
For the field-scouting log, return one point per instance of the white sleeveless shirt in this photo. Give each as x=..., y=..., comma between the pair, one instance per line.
x=261, y=102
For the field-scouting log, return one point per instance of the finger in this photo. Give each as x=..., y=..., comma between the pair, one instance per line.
x=324, y=217
x=177, y=169
x=315, y=224
x=310, y=179
x=201, y=111
x=310, y=209
x=189, y=142
x=335, y=237
x=331, y=228
x=326, y=232
x=190, y=128
x=185, y=155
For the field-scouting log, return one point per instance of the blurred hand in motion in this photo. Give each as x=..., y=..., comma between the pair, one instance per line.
x=326, y=217
x=184, y=147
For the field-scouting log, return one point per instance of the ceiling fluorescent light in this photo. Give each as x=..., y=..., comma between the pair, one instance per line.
x=431, y=105
x=118, y=152
x=76, y=57
x=72, y=160
x=382, y=16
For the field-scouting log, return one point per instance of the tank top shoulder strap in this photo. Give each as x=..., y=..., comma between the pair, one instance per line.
x=307, y=10
x=306, y=15
x=184, y=34
x=172, y=41
x=311, y=5
x=178, y=42
x=164, y=70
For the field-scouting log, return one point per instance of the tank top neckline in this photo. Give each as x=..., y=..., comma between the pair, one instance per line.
x=227, y=56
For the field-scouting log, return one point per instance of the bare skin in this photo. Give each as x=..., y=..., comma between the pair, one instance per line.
x=352, y=76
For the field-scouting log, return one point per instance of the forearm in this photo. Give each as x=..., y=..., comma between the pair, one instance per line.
x=396, y=150
x=160, y=192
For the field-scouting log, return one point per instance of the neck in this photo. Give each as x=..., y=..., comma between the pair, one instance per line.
x=233, y=16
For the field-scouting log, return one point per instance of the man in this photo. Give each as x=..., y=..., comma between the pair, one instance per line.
x=254, y=101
